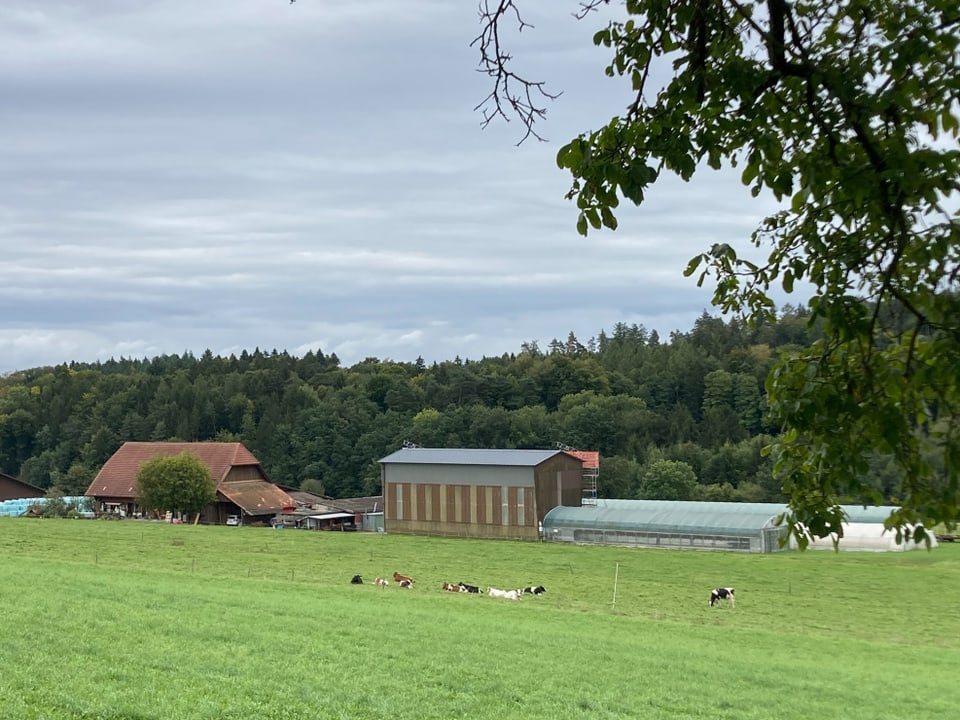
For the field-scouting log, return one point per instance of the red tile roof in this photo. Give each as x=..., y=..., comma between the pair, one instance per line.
x=118, y=476
x=590, y=459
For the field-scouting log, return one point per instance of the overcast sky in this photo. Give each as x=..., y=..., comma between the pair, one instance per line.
x=230, y=174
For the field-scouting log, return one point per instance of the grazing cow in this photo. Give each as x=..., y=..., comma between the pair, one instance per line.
x=535, y=590
x=356, y=580
x=722, y=593
x=381, y=582
x=401, y=578
x=465, y=587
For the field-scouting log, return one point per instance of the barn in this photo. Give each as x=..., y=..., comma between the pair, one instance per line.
x=476, y=492
x=13, y=489
x=743, y=527
x=243, y=488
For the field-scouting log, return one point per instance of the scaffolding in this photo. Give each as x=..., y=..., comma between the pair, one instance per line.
x=591, y=473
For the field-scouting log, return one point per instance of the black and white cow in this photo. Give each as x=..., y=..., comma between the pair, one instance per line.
x=722, y=593
x=535, y=590
x=466, y=587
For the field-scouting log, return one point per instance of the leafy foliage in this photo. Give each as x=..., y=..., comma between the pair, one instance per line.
x=180, y=483
x=668, y=480
x=847, y=113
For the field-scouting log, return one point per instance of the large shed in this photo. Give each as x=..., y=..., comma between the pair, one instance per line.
x=476, y=492
x=744, y=527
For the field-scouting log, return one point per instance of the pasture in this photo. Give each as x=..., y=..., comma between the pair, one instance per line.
x=121, y=620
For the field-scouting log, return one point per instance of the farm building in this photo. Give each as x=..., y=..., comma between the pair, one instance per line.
x=476, y=492
x=13, y=489
x=319, y=512
x=243, y=488
x=745, y=527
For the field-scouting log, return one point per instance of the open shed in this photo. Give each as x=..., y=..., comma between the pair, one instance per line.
x=744, y=527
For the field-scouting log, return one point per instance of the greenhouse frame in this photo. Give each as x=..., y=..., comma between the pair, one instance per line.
x=742, y=527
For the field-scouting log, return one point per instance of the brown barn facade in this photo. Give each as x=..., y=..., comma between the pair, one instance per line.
x=243, y=488
x=476, y=493
x=13, y=489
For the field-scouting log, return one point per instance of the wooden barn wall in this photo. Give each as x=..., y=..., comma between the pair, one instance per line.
x=558, y=481
x=245, y=472
x=12, y=489
x=498, y=505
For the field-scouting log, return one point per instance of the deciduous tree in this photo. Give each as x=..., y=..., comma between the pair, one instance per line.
x=180, y=483
x=846, y=111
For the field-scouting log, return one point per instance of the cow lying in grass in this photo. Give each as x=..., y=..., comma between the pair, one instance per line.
x=722, y=593
x=535, y=590
x=506, y=594
x=467, y=588
x=381, y=582
x=401, y=579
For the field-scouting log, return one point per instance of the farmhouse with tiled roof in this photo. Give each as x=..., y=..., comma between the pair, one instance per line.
x=243, y=488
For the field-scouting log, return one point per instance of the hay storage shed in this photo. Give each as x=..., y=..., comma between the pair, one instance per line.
x=744, y=527
x=476, y=492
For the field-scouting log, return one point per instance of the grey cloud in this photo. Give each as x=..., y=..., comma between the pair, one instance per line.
x=237, y=173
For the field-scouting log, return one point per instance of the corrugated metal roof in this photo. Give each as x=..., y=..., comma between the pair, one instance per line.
x=720, y=518
x=359, y=504
x=256, y=497
x=469, y=456
x=330, y=516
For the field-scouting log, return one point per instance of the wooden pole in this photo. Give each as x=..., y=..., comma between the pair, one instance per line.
x=616, y=578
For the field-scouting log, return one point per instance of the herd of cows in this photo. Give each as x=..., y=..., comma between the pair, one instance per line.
x=405, y=581
x=717, y=595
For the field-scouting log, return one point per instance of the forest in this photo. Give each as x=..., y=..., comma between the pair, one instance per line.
x=682, y=418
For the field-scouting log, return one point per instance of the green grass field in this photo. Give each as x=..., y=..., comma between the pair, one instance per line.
x=145, y=620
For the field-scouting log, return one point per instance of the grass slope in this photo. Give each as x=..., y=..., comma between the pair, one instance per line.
x=141, y=620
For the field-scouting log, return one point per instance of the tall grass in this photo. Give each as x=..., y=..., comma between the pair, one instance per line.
x=143, y=620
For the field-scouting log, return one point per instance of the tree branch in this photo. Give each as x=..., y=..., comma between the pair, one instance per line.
x=512, y=94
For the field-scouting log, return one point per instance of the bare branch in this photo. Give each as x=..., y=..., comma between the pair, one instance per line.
x=512, y=95
x=588, y=7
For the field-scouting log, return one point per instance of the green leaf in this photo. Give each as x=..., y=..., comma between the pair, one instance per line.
x=593, y=217
x=693, y=265
x=788, y=281
x=609, y=220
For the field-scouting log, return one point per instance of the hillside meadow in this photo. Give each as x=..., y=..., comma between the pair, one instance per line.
x=145, y=620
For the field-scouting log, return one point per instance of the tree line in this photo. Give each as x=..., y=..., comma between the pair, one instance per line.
x=682, y=418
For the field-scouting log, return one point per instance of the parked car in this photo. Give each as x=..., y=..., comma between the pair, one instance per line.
x=233, y=519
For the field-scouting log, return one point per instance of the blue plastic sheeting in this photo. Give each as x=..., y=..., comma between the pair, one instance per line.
x=16, y=508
